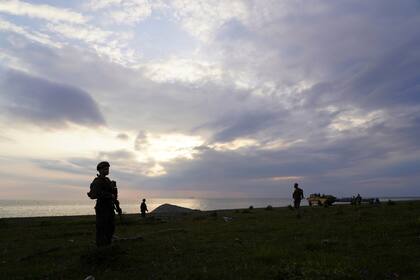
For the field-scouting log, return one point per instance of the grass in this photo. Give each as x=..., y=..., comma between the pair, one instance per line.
x=340, y=242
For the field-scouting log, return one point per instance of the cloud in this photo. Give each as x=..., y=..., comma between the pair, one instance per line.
x=189, y=71
x=273, y=91
x=89, y=34
x=127, y=12
x=245, y=124
x=202, y=18
x=45, y=12
x=34, y=36
x=108, y=44
x=123, y=136
x=43, y=102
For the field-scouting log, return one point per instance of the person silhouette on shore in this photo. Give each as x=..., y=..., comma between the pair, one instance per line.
x=297, y=195
x=358, y=199
x=143, y=208
x=102, y=189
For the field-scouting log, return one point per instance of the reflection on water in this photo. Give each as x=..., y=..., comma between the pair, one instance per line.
x=33, y=208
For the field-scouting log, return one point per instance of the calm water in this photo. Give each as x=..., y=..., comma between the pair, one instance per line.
x=34, y=208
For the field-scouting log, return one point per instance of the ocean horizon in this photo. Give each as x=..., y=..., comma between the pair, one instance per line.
x=45, y=208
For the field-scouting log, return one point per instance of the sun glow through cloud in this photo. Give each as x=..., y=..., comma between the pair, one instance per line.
x=167, y=147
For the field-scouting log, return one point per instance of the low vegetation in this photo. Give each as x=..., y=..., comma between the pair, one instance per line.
x=339, y=242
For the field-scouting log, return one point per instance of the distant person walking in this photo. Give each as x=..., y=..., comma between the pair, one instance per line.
x=297, y=195
x=105, y=192
x=143, y=208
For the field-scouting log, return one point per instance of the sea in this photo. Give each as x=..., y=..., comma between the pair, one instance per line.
x=43, y=208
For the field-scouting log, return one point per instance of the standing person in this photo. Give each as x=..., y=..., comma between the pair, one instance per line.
x=103, y=190
x=297, y=195
x=358, y=199
x=143, y=208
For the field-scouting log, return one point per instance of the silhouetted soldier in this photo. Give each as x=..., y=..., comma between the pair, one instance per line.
x=143, y=208
x=358, y=199
x=297, y=195
x=104, y=191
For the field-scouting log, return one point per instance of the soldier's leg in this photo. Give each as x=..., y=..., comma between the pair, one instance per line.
x=110, y=225
x=100, y=227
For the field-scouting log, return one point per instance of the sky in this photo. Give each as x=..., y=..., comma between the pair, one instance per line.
x=210, y=98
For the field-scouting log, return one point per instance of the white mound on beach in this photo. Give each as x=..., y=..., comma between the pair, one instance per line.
x=171, y=209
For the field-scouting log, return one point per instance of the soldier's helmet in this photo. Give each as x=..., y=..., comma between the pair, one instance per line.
x=102, y=164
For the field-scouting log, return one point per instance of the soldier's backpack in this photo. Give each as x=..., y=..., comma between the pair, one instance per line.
x=93, y=193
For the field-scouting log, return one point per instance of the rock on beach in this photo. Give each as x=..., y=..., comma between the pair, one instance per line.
x=169, y=209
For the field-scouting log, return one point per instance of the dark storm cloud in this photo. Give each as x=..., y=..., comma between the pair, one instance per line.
x=393, y=79
x=43, y=102
x=388, y=81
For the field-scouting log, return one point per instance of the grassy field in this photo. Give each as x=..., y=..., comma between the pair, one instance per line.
x=340, y=242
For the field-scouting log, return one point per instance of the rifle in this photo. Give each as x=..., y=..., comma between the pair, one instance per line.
x=116, y=202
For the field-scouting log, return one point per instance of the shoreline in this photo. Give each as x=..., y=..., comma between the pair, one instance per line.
x=339, y=204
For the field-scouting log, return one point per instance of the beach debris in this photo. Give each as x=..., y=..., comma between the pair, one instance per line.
x=227, y=219
x=71, y=240
x=90, y=277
